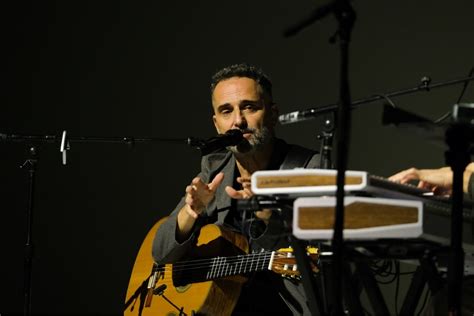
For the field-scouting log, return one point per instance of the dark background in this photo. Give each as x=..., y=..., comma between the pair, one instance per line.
x=131, y=68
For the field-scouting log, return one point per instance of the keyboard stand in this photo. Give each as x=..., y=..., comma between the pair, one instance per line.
x=426, y=273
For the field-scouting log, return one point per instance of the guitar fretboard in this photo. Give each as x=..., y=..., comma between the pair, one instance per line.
x=227, y=266
x=192, y=271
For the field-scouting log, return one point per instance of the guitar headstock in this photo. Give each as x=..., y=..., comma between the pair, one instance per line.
x=284, y=261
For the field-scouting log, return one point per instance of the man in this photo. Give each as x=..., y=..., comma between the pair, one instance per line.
x=241, y=99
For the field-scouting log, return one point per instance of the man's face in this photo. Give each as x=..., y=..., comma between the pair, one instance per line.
x=238, y=103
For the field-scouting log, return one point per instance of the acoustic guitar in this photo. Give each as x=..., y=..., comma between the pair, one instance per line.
x=205, y=284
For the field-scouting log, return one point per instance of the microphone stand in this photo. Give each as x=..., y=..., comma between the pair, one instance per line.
x=31, y=166
x=311, y=113
x=346, y=17
x=458, y=138
x=92, y=139
x=326, y=137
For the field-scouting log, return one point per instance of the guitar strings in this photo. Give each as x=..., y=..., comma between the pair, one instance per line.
x=201, y=263
x=220, y=269
x=188, y=268
x=242, y=259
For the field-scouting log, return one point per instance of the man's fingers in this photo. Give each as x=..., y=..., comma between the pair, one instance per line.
x=247, y=185
x=195, y=205
x=236, y=194
x=233, y=193
x=243, y=180
x=248, y=193
x=190, y=189
x=216, y=182
x=197, y=183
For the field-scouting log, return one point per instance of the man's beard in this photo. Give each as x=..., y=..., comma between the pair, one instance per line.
x=256, y=142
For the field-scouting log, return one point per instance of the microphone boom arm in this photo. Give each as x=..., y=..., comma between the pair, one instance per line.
x=311, y=113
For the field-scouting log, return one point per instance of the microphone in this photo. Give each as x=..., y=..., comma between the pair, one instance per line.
x=231, y=138
x=296, y=116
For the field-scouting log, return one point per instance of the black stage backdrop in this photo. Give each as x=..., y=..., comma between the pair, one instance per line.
x=131, y=68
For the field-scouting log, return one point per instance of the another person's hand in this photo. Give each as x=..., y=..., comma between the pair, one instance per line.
x=439, y=181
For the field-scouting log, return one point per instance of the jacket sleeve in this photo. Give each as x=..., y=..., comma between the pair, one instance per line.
x=165, y=248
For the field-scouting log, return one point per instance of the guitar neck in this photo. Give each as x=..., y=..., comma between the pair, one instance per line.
x=227, y=266
x=209, y=269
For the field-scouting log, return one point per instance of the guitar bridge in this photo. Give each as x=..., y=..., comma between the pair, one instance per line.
x=156, y=273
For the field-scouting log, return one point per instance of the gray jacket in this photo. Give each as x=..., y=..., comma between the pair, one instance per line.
x=167, y=250
x=165, y=247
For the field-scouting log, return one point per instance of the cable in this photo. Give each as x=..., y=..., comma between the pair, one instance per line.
x=397, y=285
x=389, y=101
x=465, y=85
x=428, y=291
x=385, y=270
x=449, y=113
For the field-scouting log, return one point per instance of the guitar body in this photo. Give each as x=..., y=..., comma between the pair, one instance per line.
x=217, y=297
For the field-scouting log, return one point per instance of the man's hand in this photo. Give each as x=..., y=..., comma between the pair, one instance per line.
x=246, y=193
x=198, y=196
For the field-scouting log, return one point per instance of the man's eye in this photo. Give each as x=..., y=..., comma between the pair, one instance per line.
x=249, y=107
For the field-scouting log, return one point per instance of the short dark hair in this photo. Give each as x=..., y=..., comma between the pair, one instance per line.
x=243, y=70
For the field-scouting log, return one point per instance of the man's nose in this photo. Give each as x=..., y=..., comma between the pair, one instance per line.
x=239, y=119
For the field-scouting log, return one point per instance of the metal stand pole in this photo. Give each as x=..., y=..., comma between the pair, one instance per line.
x=30, y=165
